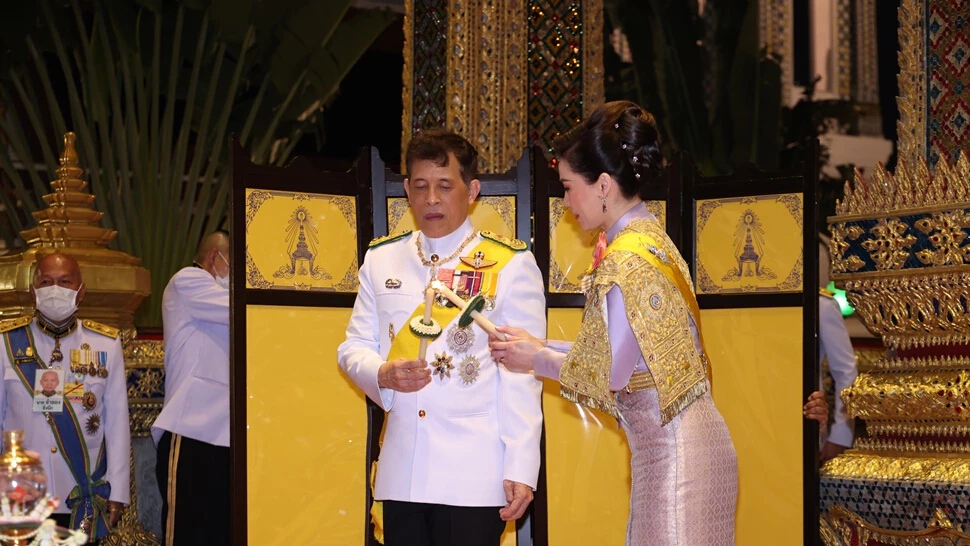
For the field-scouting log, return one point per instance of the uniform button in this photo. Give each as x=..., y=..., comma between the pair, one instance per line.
x=53, y=450
x=421, y=413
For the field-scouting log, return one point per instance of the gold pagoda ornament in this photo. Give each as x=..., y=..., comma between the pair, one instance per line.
x=115, y=282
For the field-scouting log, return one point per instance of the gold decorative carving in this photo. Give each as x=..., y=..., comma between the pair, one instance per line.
x=867, y=358
x=926, y=396
x=593, y=80
x=827, y=533
x=407, y=95
x=912, y=188
x=917, y=364
x=913, y=308
x=852, y=529
x=896, y=445
x=952, y=469
x=486, y=78
x=143, y=353
x=889, y=247
x=946, y=232
x=911, y=127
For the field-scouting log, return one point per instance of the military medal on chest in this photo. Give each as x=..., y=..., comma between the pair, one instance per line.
x=89, y=401
x=85, y=361
x=442, y=365
x=460, y=339
x=92, y=424
x=468, y=370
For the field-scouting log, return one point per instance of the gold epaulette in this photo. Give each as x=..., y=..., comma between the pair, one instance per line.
x=14, y=323
x=827, y=293
x=388, y=239
x=102, y=329
x=514, y=244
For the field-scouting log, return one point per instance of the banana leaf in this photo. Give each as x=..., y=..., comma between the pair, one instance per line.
x=153, y=89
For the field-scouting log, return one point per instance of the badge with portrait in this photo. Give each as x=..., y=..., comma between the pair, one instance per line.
x=49, y=391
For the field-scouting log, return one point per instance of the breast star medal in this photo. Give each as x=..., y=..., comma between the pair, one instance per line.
x=468, y=370
x=442, y=365
x=93, y=424
x=460, y=340
x=89, y=401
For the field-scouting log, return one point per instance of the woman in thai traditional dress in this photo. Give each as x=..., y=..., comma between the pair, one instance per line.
x=639, y=355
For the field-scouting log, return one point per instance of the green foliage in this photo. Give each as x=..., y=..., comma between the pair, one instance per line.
x=153, y=89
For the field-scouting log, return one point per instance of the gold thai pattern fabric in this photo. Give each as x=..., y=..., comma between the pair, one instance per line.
x=644, y=263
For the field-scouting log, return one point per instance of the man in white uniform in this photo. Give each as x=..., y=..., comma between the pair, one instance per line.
x=192, y=430
x=461, y=448
x=836, y=346
x=81, y=431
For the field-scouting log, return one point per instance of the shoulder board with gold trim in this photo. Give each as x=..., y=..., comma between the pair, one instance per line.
x=514, y=244
x=14, y=323
x=388, y=239
x=827, y=293
x=102, y=329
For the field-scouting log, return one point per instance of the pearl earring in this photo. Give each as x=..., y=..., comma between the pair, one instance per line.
x=603, y=200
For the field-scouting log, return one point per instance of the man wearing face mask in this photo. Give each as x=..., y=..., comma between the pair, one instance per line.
x=83, y=439
x=192, y=430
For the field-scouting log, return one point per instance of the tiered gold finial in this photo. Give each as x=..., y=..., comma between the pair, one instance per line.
x=70, y=219
x=115, y=282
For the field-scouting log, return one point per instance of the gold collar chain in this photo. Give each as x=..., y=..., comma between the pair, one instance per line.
x=435, y=260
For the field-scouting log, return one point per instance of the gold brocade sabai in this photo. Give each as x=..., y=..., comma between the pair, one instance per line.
x=644, y=263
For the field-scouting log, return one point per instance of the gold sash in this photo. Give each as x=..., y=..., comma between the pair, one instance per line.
x=406, y=343
x=659, y=308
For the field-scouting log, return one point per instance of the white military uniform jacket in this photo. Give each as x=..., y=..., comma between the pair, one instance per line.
x=450, y=443
x=110, y=410
x=834, y=344
x=195, y=312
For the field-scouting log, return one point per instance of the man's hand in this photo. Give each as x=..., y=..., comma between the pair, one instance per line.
x=404, y=375
x=830, y=451
x=817, y=408
x=517, y=498
x=114, y=513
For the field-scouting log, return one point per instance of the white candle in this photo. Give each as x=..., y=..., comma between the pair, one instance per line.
x=428, y=306
x=479, y=318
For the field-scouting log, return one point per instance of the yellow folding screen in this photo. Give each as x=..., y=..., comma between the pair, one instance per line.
x=299, y=428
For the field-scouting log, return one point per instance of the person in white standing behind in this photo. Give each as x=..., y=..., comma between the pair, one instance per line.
x=82, y=438
x=192, y=430
x=836, y=347
x=461, y=448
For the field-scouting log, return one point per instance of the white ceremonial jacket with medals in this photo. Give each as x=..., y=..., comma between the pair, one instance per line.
x=476, y=424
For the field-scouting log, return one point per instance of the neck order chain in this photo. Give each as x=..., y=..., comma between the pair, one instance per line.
x=434, y=261
x=56, y=332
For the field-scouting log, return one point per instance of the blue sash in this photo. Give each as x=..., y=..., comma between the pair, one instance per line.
x=89, y=498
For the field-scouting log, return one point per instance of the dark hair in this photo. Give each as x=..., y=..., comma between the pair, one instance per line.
x=435, y=145
x=619, y=138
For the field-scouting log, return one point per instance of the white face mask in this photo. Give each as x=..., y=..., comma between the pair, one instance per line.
x=56, y=303
x=224, y=281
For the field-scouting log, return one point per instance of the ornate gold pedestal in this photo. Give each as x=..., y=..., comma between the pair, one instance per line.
x=898, y=249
